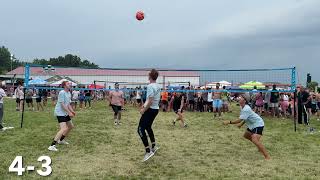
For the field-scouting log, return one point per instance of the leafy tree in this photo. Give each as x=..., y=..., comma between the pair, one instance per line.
x=312, y=85
x=68, y=60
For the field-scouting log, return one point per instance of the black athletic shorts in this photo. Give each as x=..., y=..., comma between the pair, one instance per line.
x=63, y=119
x=17, y=100
x=38, y=100
x=257, y=130
x=116, y=108
x=191, y=101
x=28, y=100
x=138, y=101
x=209, y=103
x=309, y=105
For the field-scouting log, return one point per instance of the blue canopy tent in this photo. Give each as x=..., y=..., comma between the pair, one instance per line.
x=37, y=81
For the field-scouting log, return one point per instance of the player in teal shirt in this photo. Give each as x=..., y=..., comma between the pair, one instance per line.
x=255, y=125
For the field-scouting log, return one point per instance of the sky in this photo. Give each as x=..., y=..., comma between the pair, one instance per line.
x=179, y=34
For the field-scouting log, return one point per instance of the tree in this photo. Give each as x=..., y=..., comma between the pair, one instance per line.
x=68, y=60
x=312, y=85
x=5, y=60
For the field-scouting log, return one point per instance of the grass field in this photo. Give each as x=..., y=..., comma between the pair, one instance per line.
x=204, y=150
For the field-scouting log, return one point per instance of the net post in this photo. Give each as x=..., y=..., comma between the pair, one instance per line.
x=293, y=88
x=26, y=81
x=295, y=111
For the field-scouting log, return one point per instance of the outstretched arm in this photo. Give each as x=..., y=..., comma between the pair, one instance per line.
x=239, y=122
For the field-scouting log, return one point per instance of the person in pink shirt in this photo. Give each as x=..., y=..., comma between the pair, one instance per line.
x=259, y=103
x=116, y=99
x=284, y=104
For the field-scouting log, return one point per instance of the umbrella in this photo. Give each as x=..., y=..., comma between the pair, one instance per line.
x=60, y=82
x=37, y=81
x=251, y=84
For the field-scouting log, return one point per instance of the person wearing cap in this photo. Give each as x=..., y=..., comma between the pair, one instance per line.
x=255, y=125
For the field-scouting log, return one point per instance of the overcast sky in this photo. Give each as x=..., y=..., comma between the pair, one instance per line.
x=202, y=34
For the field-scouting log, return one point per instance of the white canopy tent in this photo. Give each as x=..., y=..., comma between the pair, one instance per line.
x=57, y=83
x=222, y=83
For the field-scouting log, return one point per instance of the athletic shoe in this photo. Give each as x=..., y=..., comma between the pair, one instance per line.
x=318, y=119
x=115, y=123
x=52, y=148
x=2, y=130
x=155, y=149
x=63, y=142
x=174, y=122
x=185, y=125
x=147, y=156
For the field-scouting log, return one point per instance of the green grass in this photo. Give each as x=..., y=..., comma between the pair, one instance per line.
x=205, y=150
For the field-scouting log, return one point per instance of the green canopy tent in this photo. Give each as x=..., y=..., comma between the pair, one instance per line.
x=251, y=84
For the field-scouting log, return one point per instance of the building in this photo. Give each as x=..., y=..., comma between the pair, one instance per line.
x=107, y=77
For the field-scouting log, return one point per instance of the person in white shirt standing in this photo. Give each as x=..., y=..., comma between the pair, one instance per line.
x=74, y=99
x=149, y=112
x=2, y=95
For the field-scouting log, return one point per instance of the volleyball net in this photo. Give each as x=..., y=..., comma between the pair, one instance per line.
x=104, y=79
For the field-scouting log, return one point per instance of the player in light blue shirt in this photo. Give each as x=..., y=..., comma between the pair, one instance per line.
x=148, y=112
x=255, y=125
x=64, y=112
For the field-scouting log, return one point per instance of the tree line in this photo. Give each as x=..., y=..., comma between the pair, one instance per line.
x=68, y=60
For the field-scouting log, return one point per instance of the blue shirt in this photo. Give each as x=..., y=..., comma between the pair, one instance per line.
x=153, y=90
x=252, y=119
x=65, y=98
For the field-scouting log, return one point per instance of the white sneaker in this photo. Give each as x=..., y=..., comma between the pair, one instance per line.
x=63, y=142
x=115, y=123
x=155, y=149
x=52, y=148
x=148, y=156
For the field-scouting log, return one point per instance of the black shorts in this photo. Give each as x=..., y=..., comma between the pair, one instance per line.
x=38, y=100
x=116, y=108
x=257, y=130
x=17, y=100
x=138, y=101
x=205, y=102
x=191, y=101
x=308, y=105
x=209, y=103
x=28, y=100
x=63, y=119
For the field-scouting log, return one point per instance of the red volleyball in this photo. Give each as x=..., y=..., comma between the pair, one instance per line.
x=140, y=15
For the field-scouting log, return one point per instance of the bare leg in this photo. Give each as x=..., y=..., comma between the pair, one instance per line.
x=69, y=127
x=180, y=117
x=63, y=129
x=255, y=139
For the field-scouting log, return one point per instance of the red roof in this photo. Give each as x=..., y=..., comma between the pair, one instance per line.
x=38, y=71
